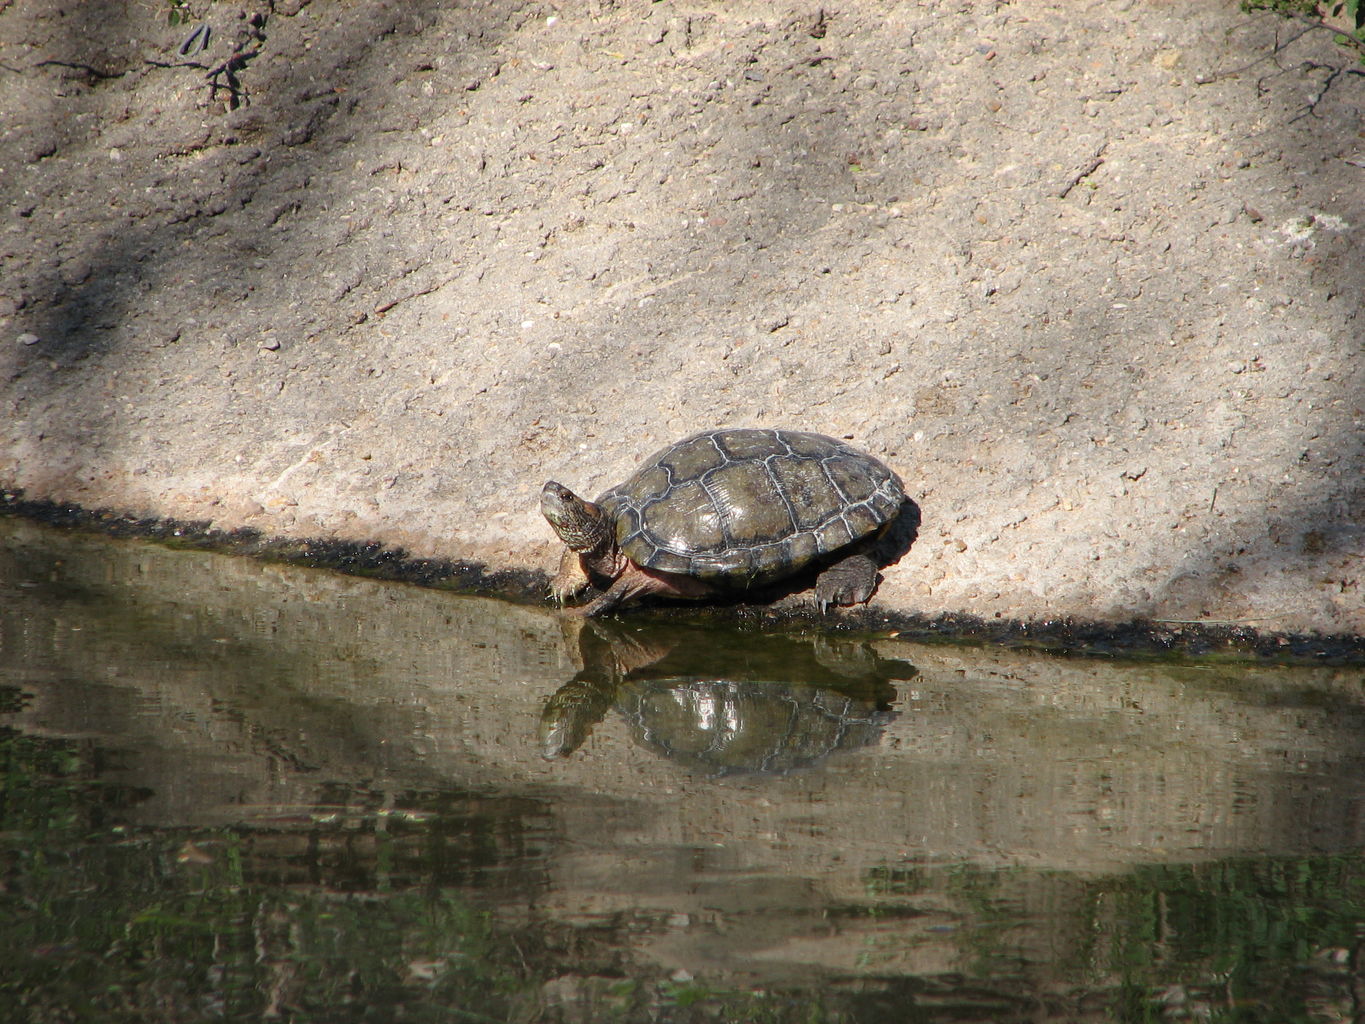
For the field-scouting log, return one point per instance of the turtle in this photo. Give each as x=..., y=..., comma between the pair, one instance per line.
x=732, y=508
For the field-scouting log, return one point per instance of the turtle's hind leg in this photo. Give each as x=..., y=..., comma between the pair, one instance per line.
x=848, y=581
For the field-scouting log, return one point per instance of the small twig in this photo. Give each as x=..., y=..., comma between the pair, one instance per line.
x=1274, y=52
x=1305, y=24
x=384, y=307
x=74, y=66
x=1216, y=622
x=194, y=64
x=1085, y=172
x=1340, y=34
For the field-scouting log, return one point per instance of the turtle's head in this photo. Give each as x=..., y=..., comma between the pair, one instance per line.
x=580, y=524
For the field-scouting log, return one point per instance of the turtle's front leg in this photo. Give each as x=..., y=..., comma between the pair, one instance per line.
x=571, y=580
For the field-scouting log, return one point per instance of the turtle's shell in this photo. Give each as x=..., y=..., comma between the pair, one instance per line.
x=749, y=506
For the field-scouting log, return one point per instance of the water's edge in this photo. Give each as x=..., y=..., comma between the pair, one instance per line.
x=1136, y=638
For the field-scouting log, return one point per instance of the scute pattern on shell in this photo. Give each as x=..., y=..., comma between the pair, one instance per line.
x=749, y=506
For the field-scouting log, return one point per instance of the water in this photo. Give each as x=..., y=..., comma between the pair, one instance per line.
x=237, y=791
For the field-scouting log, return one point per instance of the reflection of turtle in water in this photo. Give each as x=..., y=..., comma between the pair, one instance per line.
x=726, y=702
x=727, y=727
x=729, y=508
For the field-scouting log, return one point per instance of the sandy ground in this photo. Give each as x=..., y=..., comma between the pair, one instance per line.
x=1088, y=275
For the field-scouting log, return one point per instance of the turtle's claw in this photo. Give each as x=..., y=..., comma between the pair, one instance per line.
x=560, y=595
x=569, y=581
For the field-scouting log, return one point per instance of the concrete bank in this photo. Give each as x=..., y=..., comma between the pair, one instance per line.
x=1088, y=275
